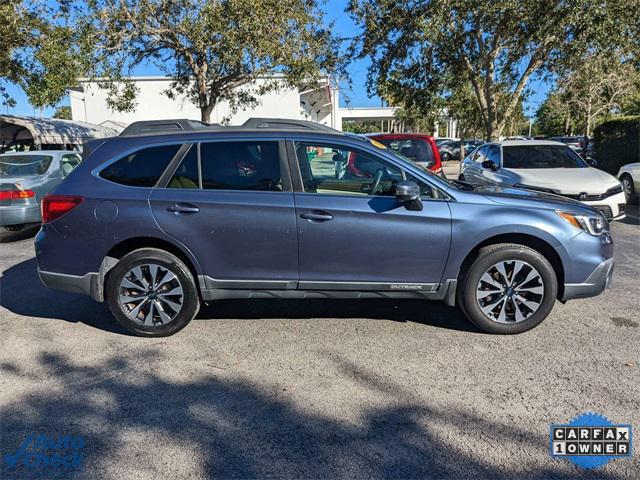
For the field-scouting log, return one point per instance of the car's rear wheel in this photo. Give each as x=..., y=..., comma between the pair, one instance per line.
x=508, y=289
x=445, y=156
x=628, y=187
x=152, y=293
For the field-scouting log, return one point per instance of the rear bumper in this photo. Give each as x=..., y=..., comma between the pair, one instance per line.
x=599, y=279
x=86, y=284
x=19, y=215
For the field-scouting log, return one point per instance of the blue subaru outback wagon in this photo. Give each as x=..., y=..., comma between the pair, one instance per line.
x=172, y=214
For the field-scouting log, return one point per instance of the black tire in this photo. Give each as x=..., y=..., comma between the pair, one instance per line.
x=629, y=189
x=190, y=297
x=445, y=157
x=492, y=255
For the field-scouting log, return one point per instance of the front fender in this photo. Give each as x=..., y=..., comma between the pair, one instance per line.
x=474, y=224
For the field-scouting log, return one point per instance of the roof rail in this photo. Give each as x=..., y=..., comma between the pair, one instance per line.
x=186, y=125
x=164, y=126
x=287, y=124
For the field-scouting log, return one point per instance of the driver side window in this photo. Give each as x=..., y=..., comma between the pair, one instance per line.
x=493, y=154
x=481, y=155
x=339, y=170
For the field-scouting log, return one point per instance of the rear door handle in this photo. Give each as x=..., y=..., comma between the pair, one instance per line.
x=317, y=216
x=183, y=208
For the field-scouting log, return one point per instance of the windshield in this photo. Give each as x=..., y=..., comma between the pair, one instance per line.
x=425, y=169
x=412, y=149
x=541, y=156
x=24, y=165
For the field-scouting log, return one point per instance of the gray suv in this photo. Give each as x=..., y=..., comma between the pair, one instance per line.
x=173, y=214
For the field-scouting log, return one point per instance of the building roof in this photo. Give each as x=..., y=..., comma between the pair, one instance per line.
x=49, y=131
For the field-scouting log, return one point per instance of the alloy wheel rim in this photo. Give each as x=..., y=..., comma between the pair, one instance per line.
x=510, y=291
x=151, y=295
x=626, y=185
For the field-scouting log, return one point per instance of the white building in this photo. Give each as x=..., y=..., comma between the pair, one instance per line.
x=89, y=104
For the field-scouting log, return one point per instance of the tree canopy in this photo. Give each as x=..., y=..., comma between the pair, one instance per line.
x=596, y=87
x=422, y=50
x=42, y=50
x=210, y=48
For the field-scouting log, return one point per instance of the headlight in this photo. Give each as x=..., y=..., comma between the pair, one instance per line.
x=592, y=224
x=615, y=190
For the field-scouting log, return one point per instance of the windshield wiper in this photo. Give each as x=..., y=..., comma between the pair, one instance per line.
x=461, y=184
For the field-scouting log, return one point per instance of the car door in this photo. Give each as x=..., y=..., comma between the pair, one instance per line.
x=474, y=171
x=231, y=204
x=354, y=235
x=488, y=175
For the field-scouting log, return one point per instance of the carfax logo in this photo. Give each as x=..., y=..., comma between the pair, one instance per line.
x=45, y=451
x=590, y=440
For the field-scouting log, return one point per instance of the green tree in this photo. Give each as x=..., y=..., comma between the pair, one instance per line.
x=553, y=117
x=598, y=88
x=42, y=50
x=422, y=50
x=594, y=88
x=212, y=47
x=360, y=127
x=63, y=113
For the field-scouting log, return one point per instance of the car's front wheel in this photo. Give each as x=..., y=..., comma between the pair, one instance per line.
x=445, y=156
x=629, y=190
x=508, y=289
x=152, y=293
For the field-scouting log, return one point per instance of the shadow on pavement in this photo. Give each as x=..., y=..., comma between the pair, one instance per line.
x=134, y=422
x=22, y=293
x=633, y=215
x=7, y=236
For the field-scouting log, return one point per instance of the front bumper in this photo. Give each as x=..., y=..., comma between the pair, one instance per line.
x=613, y=207
x=595, y=283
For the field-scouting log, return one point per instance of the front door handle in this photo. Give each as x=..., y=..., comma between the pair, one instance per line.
x=317, y=216
x=183, y=208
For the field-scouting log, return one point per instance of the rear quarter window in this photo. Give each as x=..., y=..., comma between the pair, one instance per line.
x=142, y=168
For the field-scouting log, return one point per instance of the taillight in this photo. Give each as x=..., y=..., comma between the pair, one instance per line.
x=16, y=194
x=54, y=206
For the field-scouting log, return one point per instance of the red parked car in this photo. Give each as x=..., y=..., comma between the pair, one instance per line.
x=420, y=148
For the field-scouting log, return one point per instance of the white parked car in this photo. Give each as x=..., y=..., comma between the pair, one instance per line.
x=544, y=166
x=629, y=176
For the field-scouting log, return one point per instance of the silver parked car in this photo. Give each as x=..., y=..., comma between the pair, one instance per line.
x=26, y=177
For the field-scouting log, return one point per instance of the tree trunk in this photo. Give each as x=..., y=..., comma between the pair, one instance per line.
x=205, y=113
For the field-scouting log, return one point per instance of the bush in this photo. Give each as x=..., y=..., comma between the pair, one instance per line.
x=617, y=142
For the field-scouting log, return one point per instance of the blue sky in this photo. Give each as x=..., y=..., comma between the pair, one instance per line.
x=356, y=93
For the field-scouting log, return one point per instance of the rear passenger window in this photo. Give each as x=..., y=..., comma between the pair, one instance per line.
x=241, y=166
x=186, y=176
x=142, y=168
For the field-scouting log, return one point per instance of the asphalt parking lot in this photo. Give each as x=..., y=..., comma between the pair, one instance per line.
x=315, y=389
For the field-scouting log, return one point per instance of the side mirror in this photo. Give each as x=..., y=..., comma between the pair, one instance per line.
x=407, y=191
x=490, y=164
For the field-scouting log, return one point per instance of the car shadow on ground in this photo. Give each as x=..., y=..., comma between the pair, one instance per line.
x=135, y=420
x=633, y=215
x=22, y=293
x=7, y=236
